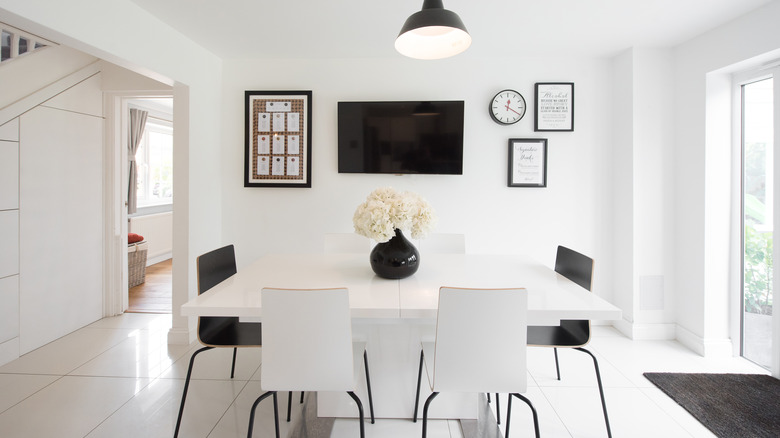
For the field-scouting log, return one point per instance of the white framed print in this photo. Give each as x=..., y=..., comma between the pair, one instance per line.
x=527, y=162
x=554, y=106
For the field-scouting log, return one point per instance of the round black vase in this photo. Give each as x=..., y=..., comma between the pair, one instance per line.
x=396, y=258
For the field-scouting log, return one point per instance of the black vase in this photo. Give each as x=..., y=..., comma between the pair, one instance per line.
x=396, y=258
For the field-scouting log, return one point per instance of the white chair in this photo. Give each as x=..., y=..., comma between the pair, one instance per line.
x=307, y=345
x=346, y=243
x=442, y=243
x=480, y=346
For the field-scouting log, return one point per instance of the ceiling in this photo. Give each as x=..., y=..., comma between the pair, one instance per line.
x=367, y=28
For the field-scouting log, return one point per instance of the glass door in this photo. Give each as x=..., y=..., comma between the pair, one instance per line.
x=757, y=211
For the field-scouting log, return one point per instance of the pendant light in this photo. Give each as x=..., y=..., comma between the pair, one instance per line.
x=433, y=33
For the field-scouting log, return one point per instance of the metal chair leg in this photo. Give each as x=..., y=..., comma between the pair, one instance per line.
x=498, y=411
x=419, y=379
x=368, y=386
x=425, y=413
x=186, y=387
x=289, y=405
x=557, y=368
x=488, y=396
x=254, y=408
x=233, y=367
x=301, y=397
x=360, y=411
x=601, y=389
x=509, y=413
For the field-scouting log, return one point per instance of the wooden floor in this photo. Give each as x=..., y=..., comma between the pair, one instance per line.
x=154, y=295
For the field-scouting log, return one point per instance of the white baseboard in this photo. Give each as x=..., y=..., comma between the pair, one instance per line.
x=659, y=331
x=704, y=347
x=157, y=259
x=9, y=350
x=180, y=336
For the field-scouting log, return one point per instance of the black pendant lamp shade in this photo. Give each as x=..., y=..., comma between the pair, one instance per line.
x=433, y=33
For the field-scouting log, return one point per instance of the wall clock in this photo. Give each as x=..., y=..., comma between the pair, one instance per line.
x=507, y=107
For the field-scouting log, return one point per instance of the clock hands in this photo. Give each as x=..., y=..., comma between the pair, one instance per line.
x=510, y=109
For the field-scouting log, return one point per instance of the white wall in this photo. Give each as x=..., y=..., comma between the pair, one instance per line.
x=702, y=233
x=157, y=231
x=573, y=210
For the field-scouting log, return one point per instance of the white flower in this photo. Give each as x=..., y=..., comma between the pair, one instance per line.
x=386, y=209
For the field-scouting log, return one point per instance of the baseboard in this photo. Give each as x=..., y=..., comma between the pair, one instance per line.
x=9, y=350
x=704, y=347
x=636, y=331
x=159, y=258
x=180, y=336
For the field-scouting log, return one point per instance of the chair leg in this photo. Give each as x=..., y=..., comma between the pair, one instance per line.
x=425, y=413
x=601, y=389
x=557, y=368
x=233, y=367
x=289, y=405
x=360, y=411
x=186, y=387
x=419, y=379
x=509, y=413
x=488, y=396
x=368, y=386
x=498, y=411
x=301, y=397
x=254, y=408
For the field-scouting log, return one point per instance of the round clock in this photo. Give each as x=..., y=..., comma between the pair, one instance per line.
x=507, y=107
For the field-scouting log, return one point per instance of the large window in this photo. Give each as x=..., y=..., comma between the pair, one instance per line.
x=757, y=212
x=155, y=164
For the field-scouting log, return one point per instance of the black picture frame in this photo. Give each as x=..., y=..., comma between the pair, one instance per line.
x=553, y=106
x=527, y=162
x=277, y=138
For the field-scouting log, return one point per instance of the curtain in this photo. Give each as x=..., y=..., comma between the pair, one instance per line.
x=137, y=125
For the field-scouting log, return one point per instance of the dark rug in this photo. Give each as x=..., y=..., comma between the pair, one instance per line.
x=729, y=405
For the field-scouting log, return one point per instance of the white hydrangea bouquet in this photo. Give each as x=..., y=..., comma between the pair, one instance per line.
x=386, y=209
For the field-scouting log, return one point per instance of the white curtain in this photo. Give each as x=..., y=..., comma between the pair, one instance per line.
x=137, y=125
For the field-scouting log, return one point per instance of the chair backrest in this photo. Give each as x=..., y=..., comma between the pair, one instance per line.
x=574, y=266
x=307, y=340
x=215, y=266
x=481, y=340
x=443, y=243
x=346, y=243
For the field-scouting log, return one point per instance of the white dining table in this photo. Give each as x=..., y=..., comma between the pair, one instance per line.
x=393, y=315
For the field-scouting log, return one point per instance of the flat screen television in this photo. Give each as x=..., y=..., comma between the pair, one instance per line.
x=401, y=137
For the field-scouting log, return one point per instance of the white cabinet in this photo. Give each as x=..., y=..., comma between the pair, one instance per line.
x=9, y=175
x=9, y=308
x=9, y=236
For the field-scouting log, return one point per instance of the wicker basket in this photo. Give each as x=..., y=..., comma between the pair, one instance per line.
x=136, y=263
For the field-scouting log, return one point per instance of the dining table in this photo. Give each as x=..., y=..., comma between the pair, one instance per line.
x=393, y=315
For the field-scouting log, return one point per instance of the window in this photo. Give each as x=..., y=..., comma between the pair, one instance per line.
x=757, y=210
x=155, y=164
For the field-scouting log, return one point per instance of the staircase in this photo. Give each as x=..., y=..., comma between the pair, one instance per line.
x=16, y=43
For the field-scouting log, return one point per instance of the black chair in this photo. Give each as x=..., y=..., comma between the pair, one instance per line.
x=217, y=331
x=571, y=333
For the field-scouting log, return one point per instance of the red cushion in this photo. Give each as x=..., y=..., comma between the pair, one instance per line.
x=133, y=238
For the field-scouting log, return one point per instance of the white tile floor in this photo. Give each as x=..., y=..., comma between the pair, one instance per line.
x=118, y=378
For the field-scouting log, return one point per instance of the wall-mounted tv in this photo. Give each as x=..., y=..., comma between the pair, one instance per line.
x=401, y=137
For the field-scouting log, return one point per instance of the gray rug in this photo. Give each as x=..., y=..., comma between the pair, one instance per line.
x=729, y=405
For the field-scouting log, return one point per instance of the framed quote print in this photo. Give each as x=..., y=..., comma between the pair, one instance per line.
x=277, y=151
x=527, y=162
x=554, y=109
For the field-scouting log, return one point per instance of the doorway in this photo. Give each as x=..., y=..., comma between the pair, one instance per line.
x=757, y=116
x=153, y=220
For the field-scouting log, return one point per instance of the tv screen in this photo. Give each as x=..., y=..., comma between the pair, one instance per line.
x=401, y=137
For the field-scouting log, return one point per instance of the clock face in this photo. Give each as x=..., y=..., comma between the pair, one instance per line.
x=507, y=107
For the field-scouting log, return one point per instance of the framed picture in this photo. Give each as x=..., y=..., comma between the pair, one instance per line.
x=554, y=109
x=527, y=162
x=277, y=144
